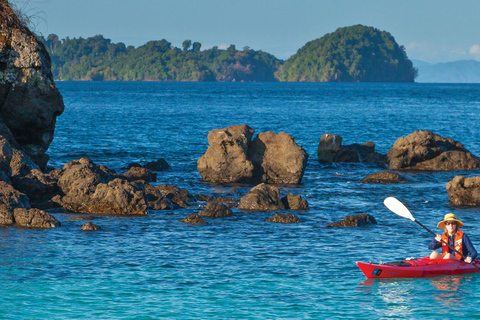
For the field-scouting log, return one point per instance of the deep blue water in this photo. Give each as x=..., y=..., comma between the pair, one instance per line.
x=157, y=267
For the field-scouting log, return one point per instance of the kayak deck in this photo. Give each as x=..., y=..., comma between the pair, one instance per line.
x=418, y=268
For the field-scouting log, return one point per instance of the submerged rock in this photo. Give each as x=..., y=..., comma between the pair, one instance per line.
x=139, y=173
x=215, y=210
x=293, y=202
x=194, y=219
x=464, y=191
x=330, y=150
x=90, y=227
x=423, y=150
x=384, y=177
x=355, y=221
x=283, y=218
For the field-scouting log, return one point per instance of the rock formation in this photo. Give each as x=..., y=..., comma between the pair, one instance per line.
x=283, y=218
x=262, y=197
x=194, y=219
x=384, y=177
x=29, y=100
x=330, y=149
x=355, y=221
x=90, y=227
x=423, y=150
x=293, y=202
x=233, y=157
x=464, y=191
x=215, y=210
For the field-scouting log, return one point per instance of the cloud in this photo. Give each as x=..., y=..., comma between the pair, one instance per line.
x=475, y=49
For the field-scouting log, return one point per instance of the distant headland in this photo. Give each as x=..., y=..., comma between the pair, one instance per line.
x=350, y=54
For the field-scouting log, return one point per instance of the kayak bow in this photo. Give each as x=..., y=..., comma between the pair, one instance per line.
x=418, y=268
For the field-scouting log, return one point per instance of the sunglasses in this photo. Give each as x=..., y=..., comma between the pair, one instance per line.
x=450, y=223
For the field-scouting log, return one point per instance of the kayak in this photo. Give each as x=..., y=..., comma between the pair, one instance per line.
x=417, y=268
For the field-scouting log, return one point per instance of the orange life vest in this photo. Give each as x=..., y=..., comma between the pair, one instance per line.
x=458, y=243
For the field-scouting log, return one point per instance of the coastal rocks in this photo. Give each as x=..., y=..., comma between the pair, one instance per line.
x=30, y=100
x=140, y=173
x=6, y=215
x=215, y=210
x=34, y=218
x=159, y=165
x=263, y=197
x=90, y=188
x=423, y=150
x=293, y=202
x=36, y=185
x=90, y=227
x=167, y=196
x=233, y=158
x=194, y=219
x=225, y=160
x=384, y=177
x=12, y=198
x=283, y=218
x=355, y=221
x=277, y=158
x=464, y=191
x=330, y=149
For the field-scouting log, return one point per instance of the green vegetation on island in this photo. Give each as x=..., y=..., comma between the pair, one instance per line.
x=351, y=54
x=97, y=58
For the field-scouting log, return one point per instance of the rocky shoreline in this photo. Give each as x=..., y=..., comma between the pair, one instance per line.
x=30, y=104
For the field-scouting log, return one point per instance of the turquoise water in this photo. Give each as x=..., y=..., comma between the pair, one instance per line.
x=241, y=267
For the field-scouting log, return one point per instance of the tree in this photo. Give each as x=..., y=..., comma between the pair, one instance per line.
x=196, y=47
x=186, y=45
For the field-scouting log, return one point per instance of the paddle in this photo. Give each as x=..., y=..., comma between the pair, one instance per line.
x=399, y=208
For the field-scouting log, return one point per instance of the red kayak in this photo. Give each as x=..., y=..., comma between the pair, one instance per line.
x=418, y=268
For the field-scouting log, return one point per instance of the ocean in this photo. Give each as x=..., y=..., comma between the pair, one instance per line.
x=241, y=267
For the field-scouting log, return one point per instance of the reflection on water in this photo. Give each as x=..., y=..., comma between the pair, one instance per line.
x=450, y=291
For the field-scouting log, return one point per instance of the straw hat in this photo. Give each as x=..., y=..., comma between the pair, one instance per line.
x=449, y=217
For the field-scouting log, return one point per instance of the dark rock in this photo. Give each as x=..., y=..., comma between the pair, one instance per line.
x=30, y=100
x=159, y=165
x=385, y=177
x=284, y=218
x=6, y=153
x=139, y=173
x=81, y=218
x=194, y=219
x=21, y=164
x=203, y=197
x=215, y=210
x=179, y=197
x=330, y=150
x=355, y=221
x=464, y=191
x=423, y=150
x=6, y=215
x=90, y=188
x=156, y=201
x=225, y=160
x=263, y=197
x=277, y=158
x=13, y=198
x=90, y=227
x=231, y=203
x=34, y=218
x=293, y=202
x=36, y=185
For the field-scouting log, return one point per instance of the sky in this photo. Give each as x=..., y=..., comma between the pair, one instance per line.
x=431, y=30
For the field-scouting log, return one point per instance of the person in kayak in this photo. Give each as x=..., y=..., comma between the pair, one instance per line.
x=455, y=238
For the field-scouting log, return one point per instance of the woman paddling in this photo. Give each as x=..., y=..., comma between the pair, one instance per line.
x=455, y=238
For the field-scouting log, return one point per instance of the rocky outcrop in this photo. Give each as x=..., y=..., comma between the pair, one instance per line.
x=277, y=158
x=140, y=173
x=30, y=102
x=330, y=149
x=215, y=210
x=263, y=197
x=34, y=218
x=90, y=227
x=355, y=221
x=13, y=198
x=424, y=150
x=233, y=157
x=384, y=177
x=225, y=160
x=293, y=202
x=90, y=188
x=283, y=218
x=464, y=191
x=194, y=219
x=167, y=196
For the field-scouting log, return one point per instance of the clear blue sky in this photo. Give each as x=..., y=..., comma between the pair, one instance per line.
x=431, y=30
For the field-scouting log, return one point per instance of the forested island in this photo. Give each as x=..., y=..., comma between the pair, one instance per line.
x=351, y=54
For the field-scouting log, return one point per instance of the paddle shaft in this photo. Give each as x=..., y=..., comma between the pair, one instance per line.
x=451, y=247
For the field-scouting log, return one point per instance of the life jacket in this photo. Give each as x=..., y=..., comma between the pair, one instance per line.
x=458, y=244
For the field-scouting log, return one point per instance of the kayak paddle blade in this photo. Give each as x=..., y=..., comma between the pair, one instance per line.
x=397, y=207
